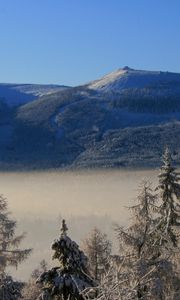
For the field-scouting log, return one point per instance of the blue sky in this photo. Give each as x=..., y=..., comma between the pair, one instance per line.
x=74, y=41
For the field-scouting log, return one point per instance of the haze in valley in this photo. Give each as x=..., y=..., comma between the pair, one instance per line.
x=39, y=200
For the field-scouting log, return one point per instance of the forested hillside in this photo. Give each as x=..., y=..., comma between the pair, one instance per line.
x=124, y=120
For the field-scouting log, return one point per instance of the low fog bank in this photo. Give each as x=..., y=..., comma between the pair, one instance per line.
x=38, y=201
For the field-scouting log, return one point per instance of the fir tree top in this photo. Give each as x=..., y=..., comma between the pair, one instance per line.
x=168, y=177
x=68, y=253
x=64, y=228
x=72, y=276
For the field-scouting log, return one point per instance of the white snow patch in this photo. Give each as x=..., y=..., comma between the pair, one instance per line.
x=130, y=78
x=107, y=79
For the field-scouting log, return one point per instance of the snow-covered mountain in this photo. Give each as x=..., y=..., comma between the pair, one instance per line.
x=127, y=78
x=124, y=119
x=18, y=94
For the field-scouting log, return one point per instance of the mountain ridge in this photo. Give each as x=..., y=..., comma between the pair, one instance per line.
x=123, y=74
x=14, y=94
x=124, y=119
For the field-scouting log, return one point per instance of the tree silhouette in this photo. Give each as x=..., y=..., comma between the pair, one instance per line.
x=67, y=281
x=10, y=253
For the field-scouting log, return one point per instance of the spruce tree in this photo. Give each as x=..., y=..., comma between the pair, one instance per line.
x=71, y=277
x=136, y=239
x=148, y=269
x=10, y=253
x=168, y=223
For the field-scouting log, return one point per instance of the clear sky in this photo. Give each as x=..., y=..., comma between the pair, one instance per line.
x=74, y=41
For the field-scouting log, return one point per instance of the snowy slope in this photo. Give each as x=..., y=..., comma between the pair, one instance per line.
x=124, y=119
x=126, y=78
x=18, y=94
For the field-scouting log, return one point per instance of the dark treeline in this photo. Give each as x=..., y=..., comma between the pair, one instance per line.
x=146, y=100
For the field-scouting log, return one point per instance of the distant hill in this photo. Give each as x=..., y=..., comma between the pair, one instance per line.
x=18, y=94
x=124, y=119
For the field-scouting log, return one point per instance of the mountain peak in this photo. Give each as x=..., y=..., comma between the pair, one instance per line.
x=126, y=68
x=127, y=78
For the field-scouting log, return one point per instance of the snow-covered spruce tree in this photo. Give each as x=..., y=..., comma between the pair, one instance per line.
x=10, y=254
x=136, y=240
x=142, y=256
x=67, y=281
x=98, y=249
x=168, y=223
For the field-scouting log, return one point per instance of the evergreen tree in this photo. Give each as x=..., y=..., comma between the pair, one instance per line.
x=98, y=248
x=10, y=254
x=67, y=281
x=136, y=239
x=142, y=255
x=168, y=223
